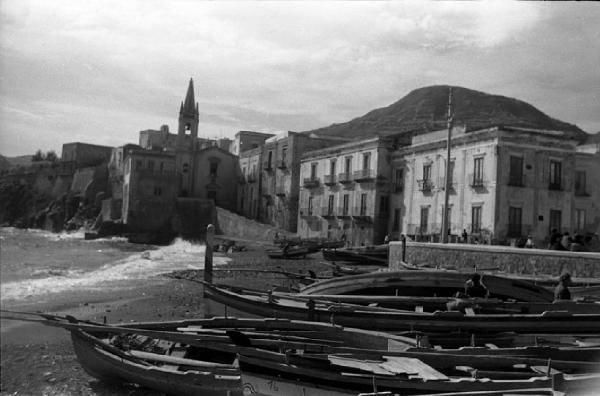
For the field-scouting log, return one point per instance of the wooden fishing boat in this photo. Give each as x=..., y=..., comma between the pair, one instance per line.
x=365, y=255
x=431, y=283
x=377, y=318
x=291, y=252
x=298, y=375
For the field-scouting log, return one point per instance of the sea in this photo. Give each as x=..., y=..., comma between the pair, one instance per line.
x=37, y=266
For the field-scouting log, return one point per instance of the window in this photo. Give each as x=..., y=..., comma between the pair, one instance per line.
x=330, y=204
x=475, y=219
x=384, y=203
x=555, y=220
x=332, y=167
x=579, y=219
x=580, y=186
x=346, y=204
x=212, y=195
x=363, y=204
x=270, y=160
x=283, y=155
x=426, y=172
x=313, y=171
x=424, y=220
x=396, y=219
x=348, y=165
x=366, y=161
x=157, y=191
x=214, y=166
x=310, y=205
x=516, y=171
x=514, y=221
x=185, y=168
x=398, y=180
x=138, y=164
x=478, y=171
x=162, y=166
x=555, y=175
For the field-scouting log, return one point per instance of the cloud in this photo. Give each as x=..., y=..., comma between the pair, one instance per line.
x=123, y=66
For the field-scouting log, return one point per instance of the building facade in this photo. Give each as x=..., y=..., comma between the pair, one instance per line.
x=345, y=192
x=249, y=183
x=248, y=140
x=506, y=184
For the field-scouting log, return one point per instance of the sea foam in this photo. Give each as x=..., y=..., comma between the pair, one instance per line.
x=180, y=255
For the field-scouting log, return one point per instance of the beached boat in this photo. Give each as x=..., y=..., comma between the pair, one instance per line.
x=366, y=255
x=440, y=283
x=291, y=252
x=352, y=315
x=294, y=374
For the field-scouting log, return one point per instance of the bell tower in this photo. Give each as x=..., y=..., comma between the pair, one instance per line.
x=188, y=119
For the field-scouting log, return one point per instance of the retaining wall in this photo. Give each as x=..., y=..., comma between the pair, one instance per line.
x=512, y=260
x=234, y=225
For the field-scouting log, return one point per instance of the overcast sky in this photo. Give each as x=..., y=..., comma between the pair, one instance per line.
x=100, y=72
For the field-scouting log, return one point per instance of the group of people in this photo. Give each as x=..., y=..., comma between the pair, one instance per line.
x=564, y=241
x=474, y=288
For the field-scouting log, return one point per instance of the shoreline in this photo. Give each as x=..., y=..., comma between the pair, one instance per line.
x=38, y=359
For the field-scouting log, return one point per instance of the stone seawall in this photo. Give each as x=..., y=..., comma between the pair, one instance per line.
x=513, y=260
x=234, y=225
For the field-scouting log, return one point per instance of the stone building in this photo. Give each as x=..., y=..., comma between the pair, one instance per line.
x=149, y=190
x=507, y=183
x=84, y=154
x=248, y=140
x=280, y=176
x=249, y=183
x=345, y=191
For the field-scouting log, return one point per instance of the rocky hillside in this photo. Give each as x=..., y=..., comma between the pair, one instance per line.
x=12, y=162
x=424, y=109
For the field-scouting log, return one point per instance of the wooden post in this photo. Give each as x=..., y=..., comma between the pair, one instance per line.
x=404, y=248
x=208, y=255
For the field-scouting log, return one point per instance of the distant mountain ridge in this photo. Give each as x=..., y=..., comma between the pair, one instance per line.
x=425, y=109
x=12, y=162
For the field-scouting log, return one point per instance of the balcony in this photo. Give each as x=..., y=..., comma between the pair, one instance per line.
x=327, y=212
x=251, y=178
x=329, y=180
x=516, y=180
x=581, y=192
x=425, y=185
x=307, y=212
x=476, y=181
x=343, y=211
x=268, y=167
x=345, y=178
x=311, y=182
x=442, y=184
x=556, y=186
x=397, y=188
x=280, y=191
x=282, y=164
x=361, y=213
x=364, y=175
x=242, y=180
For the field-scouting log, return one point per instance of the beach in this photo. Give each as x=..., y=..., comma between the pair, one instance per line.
x=122, y=283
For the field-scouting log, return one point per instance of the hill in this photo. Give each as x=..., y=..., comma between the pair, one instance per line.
x=424, y=109
x=12, y=162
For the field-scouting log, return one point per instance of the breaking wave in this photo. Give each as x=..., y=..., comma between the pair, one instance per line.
x=180, y=255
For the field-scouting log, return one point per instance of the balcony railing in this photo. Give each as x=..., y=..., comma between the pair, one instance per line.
x=425, y=185
x=311, y=182
x=282, y=164
x=280, y=191
x=242, y=180
x=364, y=175
x=581, y=192
x=343, y=211
x=251, y=178
x=442, y=184
x=360, y=211
x=345, y=177
x=557, y=186
x=329, y=180
x=268, y=166
x=476, y=181
x=307, y=212
x=327, y=211
x=516, y=180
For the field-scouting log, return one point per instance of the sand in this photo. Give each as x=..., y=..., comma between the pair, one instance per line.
x=39, y=360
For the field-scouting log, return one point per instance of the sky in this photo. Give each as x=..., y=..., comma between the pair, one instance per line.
x=101, y=71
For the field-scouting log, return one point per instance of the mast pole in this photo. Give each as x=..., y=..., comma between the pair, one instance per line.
x=450, y=120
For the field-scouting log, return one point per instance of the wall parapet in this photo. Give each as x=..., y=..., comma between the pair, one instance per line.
x=468, y=257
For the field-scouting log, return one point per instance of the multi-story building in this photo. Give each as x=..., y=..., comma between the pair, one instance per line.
x=280, y=176
x=248, y=140
x=249, y=183
x=506, y=183
x=345, y=191
x=85, y=154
